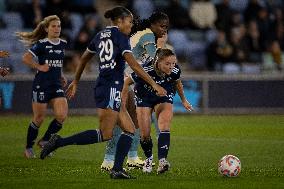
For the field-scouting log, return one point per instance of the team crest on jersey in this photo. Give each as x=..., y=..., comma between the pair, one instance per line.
x=41, y=96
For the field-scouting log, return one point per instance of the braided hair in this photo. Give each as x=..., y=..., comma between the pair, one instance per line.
x=140, y=25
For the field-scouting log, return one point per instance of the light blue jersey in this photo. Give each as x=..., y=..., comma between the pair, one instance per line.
x=143, y=45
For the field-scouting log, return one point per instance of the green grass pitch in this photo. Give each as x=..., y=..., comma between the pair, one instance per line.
x=197, y=143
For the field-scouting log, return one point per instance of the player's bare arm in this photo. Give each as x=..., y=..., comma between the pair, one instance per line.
x=72, y=88
x=180, y=91
x=28, y=60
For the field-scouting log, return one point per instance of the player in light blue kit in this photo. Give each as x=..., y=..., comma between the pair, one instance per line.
x=49, y=80
x=143, y=41
x=113, y=48
x=164, y=70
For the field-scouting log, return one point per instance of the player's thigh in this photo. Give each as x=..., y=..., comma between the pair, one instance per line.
x=39, y=112
x=164, y=112
x=107, y=120
x=131, y=107
x=144, y=120
x=125, y=122
x=60, y=108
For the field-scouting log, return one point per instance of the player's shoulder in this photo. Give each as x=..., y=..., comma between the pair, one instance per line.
x=142, y=36
x=63, y=41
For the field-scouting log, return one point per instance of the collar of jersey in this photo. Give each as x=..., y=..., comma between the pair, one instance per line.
x=53, y=42
x=112, y=27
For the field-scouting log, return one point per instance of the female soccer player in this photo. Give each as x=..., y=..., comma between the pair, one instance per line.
x=49, y=80
x=144, y=36
x=112, y=46
x=164, y=70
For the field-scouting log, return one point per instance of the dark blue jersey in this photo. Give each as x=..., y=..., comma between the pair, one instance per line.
x=53, y=54
x=110, y=44
x=143, y=89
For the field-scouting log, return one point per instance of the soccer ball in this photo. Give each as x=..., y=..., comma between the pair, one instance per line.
x=229, y=166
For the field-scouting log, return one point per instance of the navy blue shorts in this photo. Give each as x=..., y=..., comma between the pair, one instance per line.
x=108, y=94
x=45, y=95
x=151, y=102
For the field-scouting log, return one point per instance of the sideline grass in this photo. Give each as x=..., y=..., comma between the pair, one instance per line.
x=197, y=143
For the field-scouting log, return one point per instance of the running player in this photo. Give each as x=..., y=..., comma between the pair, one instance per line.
x=49, y=80
x=164, y=70
x=143, y=41
x=112, y=46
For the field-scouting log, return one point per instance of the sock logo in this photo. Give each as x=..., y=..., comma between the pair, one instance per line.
x=165, y=147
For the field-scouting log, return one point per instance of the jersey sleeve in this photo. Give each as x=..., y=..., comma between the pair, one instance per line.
x=151, y=49
x=123, y=43
x=36, y=49
x=146, y=39
x=92, y=46
x=176, y=73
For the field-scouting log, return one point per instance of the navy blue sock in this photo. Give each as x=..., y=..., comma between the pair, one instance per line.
x=32, y=135
x=147, y=146
x=54, y=127
x=83, y=138
x=163, y=144
x=122, y=148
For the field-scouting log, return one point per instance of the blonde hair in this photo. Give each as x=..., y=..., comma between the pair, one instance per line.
x=30, y=38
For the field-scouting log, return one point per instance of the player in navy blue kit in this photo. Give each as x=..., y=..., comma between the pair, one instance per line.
x=113, y=48
x=164, y=70
x=49, y=80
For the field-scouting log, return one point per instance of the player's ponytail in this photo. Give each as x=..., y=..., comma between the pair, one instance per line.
x=117, y=12
x=29, y=38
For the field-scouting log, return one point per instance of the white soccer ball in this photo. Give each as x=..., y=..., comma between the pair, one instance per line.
x=229, y=166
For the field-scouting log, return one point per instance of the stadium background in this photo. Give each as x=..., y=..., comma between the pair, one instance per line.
x=230, y=51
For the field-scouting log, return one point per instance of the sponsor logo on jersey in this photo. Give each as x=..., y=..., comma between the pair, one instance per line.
x=54, y=63
x=109, y=65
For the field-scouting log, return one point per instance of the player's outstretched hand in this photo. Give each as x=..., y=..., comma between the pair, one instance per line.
x=4, y=71
x=187, y=105
x=4, y=54
x=160, y=90
x=71, y=90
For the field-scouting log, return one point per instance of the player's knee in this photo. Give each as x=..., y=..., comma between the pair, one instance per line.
x=106, y=134
x=38, y=120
